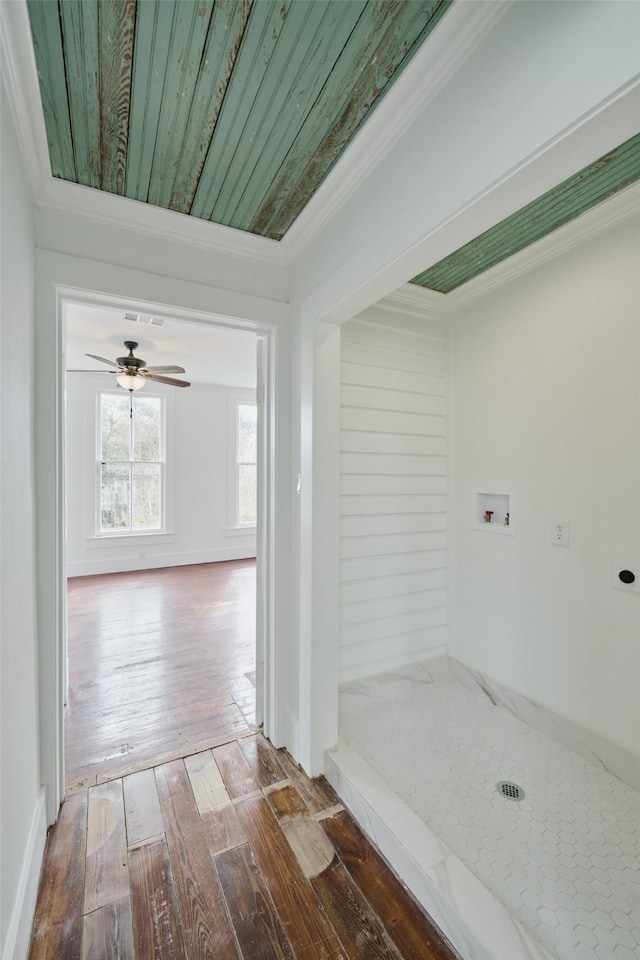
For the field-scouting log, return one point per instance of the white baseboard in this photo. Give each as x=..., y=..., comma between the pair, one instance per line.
x=86, y=568
x=19, y=933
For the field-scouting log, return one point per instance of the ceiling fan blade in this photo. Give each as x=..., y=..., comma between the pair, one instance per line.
x=102, y=360
x=110, y=373
x=170, y=380
x=169, y=369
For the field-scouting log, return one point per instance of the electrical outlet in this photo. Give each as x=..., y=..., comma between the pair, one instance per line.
x=560, y=533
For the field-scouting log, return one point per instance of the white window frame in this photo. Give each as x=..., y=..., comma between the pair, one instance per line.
x=234, y=401
x=93, y=535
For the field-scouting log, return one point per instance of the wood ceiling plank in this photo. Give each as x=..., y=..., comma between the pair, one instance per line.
x=228, y=24
x=47, y=42
x=117, y=30
x=80, y=32
x=154, y=23
x=299, y=66
x=381, y=45
x=563, y=203
x=266, y=21
x=189, y=34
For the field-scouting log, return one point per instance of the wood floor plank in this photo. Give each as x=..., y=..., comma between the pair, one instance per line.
x=57, y=927
x=107, y=877
x=257, y=925
x=317, y=792
x=205, y=922
x=157, y=756
x=360, y=932
x=304, y=922
x=262, y=758
x=414, y=935
x=141, y=807
x=307, y=839
x=108, y=934
x=156, y=925
x=147, y=651
x=223, y=829
x=206, y=782
x=236, y=772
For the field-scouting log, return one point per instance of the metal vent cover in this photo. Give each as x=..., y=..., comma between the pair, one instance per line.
x=144, y=318
x=509, y=790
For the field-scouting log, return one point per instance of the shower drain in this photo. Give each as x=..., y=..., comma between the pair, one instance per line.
x=510, y=790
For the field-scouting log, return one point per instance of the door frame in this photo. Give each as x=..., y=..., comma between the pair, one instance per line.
x=272, y=540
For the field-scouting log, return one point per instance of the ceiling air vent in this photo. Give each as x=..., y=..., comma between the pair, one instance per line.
x=145, y=318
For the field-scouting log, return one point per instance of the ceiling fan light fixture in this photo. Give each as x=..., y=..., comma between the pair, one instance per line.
x=130, y=382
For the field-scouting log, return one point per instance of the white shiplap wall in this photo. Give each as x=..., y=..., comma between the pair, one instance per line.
x=393, y=578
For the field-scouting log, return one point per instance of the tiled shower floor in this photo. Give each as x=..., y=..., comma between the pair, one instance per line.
x=565, y=860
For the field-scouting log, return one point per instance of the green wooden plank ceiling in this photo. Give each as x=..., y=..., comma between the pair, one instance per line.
x=617, y=169
x=235, y=111
x=232, y=111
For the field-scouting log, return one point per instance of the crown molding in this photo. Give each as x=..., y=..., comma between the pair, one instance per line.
x=416, y=301
x=462, y=29
x=20, y=75
x=18, y=66
x=620, y=207
x=144, y=218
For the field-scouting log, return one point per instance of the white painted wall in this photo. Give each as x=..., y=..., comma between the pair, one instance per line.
x=546, y=395
x=393, y=486
x=22, y=823
x=198, y=448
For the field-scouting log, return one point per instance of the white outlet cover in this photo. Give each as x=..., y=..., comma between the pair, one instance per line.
x=557, y=541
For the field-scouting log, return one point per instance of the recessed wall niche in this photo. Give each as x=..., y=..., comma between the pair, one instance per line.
x=492, y=511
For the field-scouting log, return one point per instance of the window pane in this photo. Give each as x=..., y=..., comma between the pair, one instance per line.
x=146, y=428
x=115, y=490
x=247, y=499
x=247, y=423
x=146, y=496
x=114, y=427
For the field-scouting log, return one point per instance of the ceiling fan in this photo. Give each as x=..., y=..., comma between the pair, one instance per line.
x=134, y=372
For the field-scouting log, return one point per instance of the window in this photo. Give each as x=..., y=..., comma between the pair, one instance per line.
x=243, y=443
x=130, y=465
x=246, y=463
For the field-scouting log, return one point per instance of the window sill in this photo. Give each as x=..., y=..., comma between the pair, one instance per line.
x=245, y=530
x=129, y=539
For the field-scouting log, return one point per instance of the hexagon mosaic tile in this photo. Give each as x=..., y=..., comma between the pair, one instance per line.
x=565, y=860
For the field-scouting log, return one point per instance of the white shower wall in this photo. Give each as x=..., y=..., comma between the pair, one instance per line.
x=546, y=401
x=393, y=486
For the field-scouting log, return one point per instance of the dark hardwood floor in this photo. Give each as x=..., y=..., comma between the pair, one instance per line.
x=169, y=848
x=161, y=664
x=228, y=854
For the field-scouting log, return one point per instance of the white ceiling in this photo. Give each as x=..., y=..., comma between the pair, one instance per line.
x=209, y=354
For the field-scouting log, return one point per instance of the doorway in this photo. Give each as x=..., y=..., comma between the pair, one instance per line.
x=163, y=650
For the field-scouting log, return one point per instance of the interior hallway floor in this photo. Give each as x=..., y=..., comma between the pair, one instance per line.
x=228, y=854
x=185, y=835
x=161, y=664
